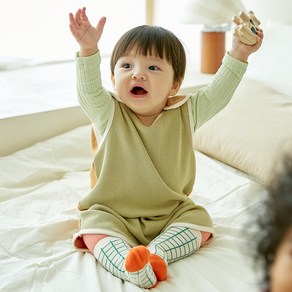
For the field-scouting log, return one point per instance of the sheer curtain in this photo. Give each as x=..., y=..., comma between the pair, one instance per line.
x=39, y=28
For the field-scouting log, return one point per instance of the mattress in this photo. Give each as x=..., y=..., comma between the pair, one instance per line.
x=39, y=190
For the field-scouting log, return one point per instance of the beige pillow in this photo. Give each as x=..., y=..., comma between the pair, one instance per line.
x=249, y=133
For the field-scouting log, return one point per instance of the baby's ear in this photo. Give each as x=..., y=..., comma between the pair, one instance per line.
x=113, y=81
x=175, y=88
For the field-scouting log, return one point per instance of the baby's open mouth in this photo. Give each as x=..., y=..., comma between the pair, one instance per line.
x=137, y=90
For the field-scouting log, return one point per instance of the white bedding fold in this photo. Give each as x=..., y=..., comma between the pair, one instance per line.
x=39, y=190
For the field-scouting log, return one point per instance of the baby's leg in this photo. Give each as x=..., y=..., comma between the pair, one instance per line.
x=205, y=237
x=124, y=262
x=173, y=244
x=91, y=240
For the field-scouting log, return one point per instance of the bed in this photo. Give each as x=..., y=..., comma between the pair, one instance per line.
x=235, y=151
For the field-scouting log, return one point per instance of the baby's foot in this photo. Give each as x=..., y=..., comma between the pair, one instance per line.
x=159, y=267
x=138, y=268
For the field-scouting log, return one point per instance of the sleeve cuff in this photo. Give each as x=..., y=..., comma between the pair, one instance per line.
x=89, y=63
x=234, y=64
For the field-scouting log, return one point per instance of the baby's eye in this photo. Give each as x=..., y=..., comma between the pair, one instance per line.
x=153, y=68
x=126, y=66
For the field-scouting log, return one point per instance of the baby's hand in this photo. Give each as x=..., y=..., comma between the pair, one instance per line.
x=247, y=37
x=85, y=34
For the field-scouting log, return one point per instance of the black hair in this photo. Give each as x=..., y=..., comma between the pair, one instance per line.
x=152, y=40
x=276, y=218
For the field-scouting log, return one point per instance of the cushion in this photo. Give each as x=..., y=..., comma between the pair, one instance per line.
x=249, y=133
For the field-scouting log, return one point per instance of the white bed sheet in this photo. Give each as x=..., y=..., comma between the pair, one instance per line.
x=39, y=190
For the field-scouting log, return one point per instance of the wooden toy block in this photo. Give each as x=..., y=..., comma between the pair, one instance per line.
x=246, y=27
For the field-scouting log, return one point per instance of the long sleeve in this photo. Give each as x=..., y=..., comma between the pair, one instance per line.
x=94, y=99
x=208, y=101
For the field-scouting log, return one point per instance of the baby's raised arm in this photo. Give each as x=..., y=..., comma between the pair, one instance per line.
x=85, y=34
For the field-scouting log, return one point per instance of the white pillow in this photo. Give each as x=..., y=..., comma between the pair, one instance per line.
x=273, y=62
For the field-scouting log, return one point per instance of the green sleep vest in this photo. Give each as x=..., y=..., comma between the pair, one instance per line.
x=144, y=176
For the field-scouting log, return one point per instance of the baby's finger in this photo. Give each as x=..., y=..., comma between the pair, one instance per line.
x=83, y=16
x=260, y=33
x=101, y=24
x=71, y=19
x=78, y=16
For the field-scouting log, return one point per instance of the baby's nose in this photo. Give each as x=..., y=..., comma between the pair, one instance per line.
x=139, y=75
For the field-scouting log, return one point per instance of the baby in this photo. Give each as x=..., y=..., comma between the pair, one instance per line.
x=137, y=218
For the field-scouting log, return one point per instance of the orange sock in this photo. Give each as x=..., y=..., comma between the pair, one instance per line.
x=159, y=267
x=137, y=258
x=138, y=266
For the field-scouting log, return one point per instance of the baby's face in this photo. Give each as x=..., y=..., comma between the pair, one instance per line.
x=281, y=272
x=144, y=83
